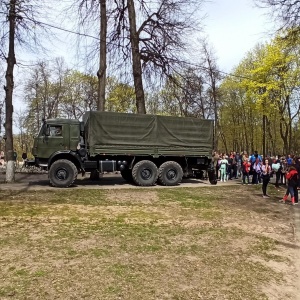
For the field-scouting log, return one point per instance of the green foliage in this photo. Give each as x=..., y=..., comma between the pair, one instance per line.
x=120, y=96
x=265, y=84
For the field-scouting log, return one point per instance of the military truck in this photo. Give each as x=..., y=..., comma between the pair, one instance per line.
x=146, y=149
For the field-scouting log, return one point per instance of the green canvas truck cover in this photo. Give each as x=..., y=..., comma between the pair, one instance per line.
x=137, y=134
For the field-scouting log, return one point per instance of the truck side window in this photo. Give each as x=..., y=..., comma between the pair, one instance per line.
x=55, y=130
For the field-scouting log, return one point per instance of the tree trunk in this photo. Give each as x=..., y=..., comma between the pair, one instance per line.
x=102, y=60
x=11, y=60
x=136, y=60
x=216, y=123
x=264, y=137
x=284, y=132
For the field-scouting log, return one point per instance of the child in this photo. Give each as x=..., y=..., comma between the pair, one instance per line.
x=223, y=168
x=292, y=177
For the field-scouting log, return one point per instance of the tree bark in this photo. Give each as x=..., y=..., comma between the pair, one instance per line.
x=102, y=60
x=136, y=60
x=11, y=60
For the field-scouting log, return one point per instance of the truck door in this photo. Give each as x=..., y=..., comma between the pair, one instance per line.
x=74, y=136
x=53, y=142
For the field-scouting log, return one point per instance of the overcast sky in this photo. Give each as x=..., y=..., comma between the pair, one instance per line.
x=234, y=27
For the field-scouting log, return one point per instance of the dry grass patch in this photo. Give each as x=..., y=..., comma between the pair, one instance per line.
x=196, y=243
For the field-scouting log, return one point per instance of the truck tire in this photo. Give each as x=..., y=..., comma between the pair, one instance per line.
x=170, y=173
x=62, y=173
x=145, y=173
x=212, y=176
x=127, y=175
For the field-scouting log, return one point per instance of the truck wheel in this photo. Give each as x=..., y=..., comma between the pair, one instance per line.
x=170, y=173
x=127, y=175
x=62, y=173
x=144, y=173
x=212, y=176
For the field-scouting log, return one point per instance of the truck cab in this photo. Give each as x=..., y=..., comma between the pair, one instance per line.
x=56, y=136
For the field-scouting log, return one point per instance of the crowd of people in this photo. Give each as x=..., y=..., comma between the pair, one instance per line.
x=256, y=169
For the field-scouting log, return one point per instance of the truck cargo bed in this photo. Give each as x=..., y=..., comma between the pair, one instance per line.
x=135, y=134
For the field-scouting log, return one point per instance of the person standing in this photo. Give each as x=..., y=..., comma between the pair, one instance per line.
x=289, y=160
x=234, y=165
x=265, y=175
x=297, y=166
x=215, y=158
x=246, y=169
x=223, y=169
x=283, y=171
x=256, y=172
x=229, y=166
x=238, y=165
x=276, y=168
x=292, y=177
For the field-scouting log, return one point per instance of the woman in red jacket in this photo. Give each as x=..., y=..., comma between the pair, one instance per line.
x=246, y=169
x=292, y=177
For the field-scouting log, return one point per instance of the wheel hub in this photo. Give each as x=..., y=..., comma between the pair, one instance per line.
x=146, y=174
x=171, y=174
x=62, y=174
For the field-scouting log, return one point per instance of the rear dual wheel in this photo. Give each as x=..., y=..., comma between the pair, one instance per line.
x=170, y=173
x=145, y=173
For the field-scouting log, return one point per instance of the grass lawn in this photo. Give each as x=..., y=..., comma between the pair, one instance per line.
x=149, y=243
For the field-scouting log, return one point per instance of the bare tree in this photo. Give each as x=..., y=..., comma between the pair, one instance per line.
x=9, y=76
x=212, y=78
x=19, y=26
x=102, y=59
x=136, y=59
x=287, y=12
x=146, y=40
x=88, y=12
x=152, y=35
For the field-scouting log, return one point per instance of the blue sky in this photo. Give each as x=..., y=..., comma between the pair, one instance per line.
x=234, y=27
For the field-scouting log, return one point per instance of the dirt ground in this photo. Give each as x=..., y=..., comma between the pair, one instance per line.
x=194, y=241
